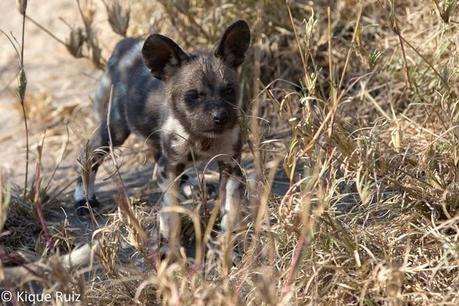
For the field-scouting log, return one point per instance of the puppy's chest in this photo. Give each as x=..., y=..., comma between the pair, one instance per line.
x=183, y=147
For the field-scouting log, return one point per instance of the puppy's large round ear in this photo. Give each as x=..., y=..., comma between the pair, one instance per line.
x=234, y=44
x=162, y=56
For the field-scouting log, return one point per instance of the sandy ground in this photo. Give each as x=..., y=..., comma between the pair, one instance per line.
x=52, y=73
x=59, y=86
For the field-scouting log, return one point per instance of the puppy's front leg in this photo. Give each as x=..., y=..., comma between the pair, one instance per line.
x=169, y=222
x=230, y=195
x=230, y=198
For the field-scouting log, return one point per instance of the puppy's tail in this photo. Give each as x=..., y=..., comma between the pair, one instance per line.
x=124, y=55
x=102, y=95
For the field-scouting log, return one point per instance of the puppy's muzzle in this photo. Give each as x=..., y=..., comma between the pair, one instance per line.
x=220, y=117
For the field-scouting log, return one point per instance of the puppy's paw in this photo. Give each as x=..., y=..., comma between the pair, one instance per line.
x=187, y=189
x=82, y=207
x=236, y=257
x=231, y=255
x=169, y=252
x=211, y=191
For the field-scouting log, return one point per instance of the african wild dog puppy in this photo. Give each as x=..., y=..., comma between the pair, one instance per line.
x=185, y=105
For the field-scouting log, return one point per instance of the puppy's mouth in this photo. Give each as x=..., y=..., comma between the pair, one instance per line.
x=220, y=129
x=215, y=131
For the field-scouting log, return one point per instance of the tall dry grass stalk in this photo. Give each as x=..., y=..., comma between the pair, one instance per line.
x=22, y=86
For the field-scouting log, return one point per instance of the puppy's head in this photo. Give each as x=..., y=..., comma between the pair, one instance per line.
x=202, y=87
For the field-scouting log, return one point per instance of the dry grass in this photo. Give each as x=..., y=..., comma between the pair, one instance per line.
x=353, y=104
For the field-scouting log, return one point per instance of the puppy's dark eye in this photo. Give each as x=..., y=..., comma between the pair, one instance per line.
x=192, y=95
x=228, y=91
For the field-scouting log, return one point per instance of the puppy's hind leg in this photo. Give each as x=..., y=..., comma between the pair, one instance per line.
x=90, y=160
x=88, y=164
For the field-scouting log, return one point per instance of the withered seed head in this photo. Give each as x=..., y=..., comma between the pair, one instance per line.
x=22, y=84
x=75, y=42
x=96, y=53
x=87, y=13
x=22, y=6
x=118, y=16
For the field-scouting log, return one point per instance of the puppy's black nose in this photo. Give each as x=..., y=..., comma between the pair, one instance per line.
x=220, y=116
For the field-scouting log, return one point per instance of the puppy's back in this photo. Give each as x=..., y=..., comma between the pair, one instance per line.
x=124, y=62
